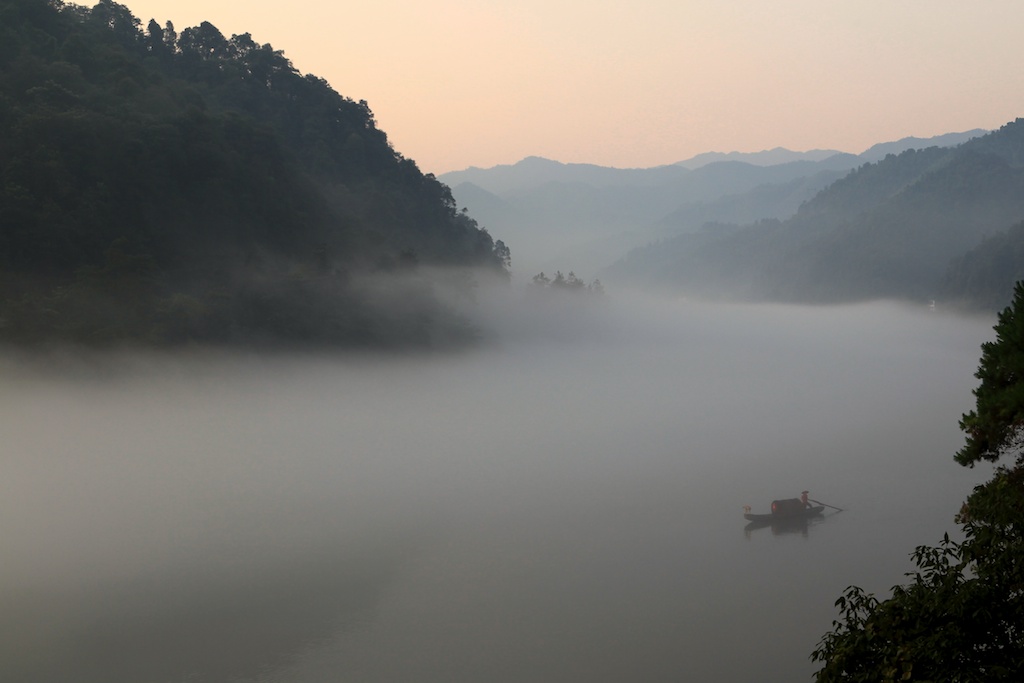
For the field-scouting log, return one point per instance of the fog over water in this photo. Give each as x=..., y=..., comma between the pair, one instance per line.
x=563, y=505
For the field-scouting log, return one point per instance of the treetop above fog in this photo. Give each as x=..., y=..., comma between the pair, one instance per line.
x=207, y=162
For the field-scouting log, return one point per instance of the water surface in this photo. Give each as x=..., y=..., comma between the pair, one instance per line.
x=564, y=506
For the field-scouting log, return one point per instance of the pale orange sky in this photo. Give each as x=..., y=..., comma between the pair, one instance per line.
x=458, y=83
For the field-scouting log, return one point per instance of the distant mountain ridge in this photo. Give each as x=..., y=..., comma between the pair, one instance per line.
x=534, y=170
x=883, y=149
x=585, y=217
x=928, y=224
x=768, y=157
x=781, y=155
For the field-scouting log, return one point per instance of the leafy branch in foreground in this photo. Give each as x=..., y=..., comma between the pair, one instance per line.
x=961, y=616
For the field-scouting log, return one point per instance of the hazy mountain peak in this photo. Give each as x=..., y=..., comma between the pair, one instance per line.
x=781, y=155
x=534, y=160
x=882, y=149
x=768, y=157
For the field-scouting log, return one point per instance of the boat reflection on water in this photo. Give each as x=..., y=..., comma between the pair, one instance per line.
x=785, y=525
x=790, y=516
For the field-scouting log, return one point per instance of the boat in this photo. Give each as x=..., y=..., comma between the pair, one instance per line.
x=789, y=515
x=786, y=516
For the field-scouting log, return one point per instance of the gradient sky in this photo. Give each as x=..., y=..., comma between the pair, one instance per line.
x=458, y=83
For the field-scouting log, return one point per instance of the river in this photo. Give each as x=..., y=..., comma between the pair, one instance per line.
x=562, y=505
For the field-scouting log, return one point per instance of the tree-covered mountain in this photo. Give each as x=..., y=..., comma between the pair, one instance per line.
x=591, y=216
x=168, y=186
x=985, y=275
x=881, y=150
x=888, y=229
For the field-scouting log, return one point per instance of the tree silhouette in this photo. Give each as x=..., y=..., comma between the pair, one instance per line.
x=961, y=616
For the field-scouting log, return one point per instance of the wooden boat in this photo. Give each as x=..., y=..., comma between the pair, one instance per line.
x=782, y=517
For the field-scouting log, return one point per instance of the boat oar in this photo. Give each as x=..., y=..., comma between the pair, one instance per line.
x=818, y=502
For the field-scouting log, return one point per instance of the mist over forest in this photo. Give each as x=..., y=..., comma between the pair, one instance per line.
x=175, y=187
x=917, y=219
x=166, y=187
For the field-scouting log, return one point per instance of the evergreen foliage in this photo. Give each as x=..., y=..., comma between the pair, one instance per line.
x=161, y=186
x=996, y=427
x=961, y=616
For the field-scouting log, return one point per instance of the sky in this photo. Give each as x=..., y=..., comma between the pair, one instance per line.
x=460, y=83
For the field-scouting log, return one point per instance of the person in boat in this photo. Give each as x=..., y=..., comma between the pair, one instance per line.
x=804, y=500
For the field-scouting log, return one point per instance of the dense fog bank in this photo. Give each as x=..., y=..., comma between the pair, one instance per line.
x=563, y=503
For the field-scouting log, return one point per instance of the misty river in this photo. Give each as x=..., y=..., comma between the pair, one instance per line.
x=564, y=505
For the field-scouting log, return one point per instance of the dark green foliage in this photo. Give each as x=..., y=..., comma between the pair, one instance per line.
x=944, y=625
x=961, y=616
x=996, y=425
x=216, y=165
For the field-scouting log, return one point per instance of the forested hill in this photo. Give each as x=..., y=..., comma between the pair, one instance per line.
x=161, y=186
x=924, y=224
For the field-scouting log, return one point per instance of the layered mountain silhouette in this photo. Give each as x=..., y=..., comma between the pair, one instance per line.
x=918, y=219
x=916, y=226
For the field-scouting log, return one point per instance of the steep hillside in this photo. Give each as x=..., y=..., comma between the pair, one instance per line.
x=984, y=277
x=883, y=149
x=771, y=200
x=164, y=187
x=888, y=229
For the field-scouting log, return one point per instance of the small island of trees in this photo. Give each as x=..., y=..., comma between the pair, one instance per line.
x=566, y=283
